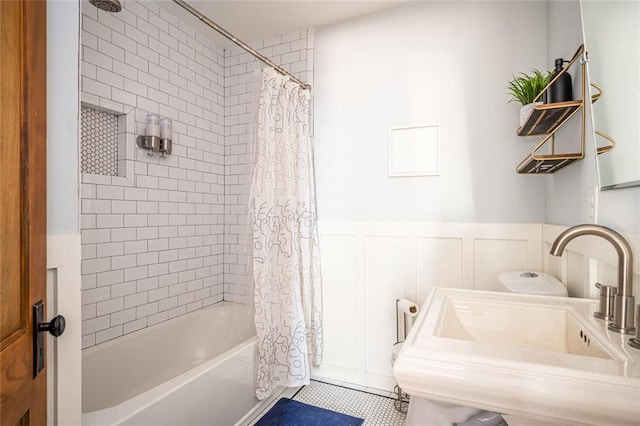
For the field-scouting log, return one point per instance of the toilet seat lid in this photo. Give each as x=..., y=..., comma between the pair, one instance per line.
x=531, y=282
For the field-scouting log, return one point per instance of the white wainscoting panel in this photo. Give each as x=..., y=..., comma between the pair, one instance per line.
x=551, y=264
x=341, y=310
x=367, y=266
x=64, y=354
x=577, y=270
x=495, y=256
x=385, y=268
x=431, y=271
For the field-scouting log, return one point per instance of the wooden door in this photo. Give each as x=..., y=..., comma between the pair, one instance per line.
x=23, y=398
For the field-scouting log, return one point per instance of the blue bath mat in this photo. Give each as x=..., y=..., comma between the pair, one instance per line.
x=287, y=412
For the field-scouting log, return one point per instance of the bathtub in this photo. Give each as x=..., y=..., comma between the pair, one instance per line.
x=193, y=369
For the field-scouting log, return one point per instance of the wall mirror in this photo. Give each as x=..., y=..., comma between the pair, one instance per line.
x=612, y=38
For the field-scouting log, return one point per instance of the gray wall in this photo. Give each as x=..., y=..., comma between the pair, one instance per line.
x=62, y=118
x=423, y=63
x=620, y=209
x=567, y=190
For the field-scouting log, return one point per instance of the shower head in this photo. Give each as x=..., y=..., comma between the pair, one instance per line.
x=107, y=5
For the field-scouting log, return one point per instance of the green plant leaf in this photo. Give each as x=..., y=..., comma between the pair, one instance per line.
x=524, y=88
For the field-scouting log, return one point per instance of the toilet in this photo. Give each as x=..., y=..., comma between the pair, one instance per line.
x=528, y=282
x=422, y=411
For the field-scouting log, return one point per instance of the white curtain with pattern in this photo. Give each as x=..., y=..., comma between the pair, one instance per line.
x=286, y=264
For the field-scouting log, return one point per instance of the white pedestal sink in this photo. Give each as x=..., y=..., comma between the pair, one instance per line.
x=537, y=357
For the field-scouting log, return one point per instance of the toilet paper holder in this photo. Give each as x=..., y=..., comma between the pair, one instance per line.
x=409, y=310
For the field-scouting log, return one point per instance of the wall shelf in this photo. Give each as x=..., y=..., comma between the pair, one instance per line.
x=551, y=117
x=547, y=163
x=546, y=119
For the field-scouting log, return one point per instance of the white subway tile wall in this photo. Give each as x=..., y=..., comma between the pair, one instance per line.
x=293, y=52
x=163, y=238
x=152, y=240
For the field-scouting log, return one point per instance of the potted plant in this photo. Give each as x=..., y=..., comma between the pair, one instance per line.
x=524, y=88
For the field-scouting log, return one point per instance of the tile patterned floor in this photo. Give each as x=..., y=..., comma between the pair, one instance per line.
x=374, y=409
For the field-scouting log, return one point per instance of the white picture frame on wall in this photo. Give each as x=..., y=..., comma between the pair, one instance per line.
x=414, y=151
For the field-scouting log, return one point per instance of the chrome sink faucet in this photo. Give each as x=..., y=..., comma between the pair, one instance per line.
x=624, y=301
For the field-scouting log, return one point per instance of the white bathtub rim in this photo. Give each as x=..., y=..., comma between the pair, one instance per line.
x=122, y=412
x=167, y=361
x=135, y=335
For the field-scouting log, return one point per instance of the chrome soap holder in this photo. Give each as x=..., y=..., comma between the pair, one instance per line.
x=157, y=137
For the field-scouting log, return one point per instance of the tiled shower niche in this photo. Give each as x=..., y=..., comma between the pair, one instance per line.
x=98, y=142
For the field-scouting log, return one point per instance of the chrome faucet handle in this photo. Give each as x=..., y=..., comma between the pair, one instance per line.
x=634, y=342
x=607, y=299
x=623, y=314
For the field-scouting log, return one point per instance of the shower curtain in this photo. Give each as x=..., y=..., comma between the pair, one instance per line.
x=286, y=264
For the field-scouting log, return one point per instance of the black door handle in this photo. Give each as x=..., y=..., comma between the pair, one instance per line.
x=55, y=327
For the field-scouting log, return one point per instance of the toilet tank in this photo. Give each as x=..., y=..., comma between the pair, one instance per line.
x=530, y=282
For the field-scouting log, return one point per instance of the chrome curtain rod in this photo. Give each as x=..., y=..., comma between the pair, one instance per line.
x=240, y=43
